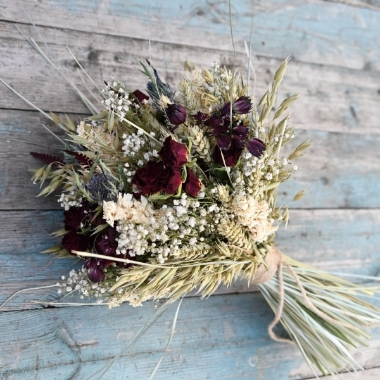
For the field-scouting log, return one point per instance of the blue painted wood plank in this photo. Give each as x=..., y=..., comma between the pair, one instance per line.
x=312, y=31
x=223, y=337
x=335, y=98
x=339, y=170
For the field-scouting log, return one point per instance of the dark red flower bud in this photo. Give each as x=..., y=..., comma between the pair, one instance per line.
x=200, y=116
x=105, y=243
x=140, y=96
x=223, y=142
x=96, y=274
x=240, y=131
x=192, y=186
x=176, y=114
x=242, y=106
x=256, y=147
x=238, y=142
x=173, y=153
x=95, y=271
x=239, y=135
x=217, y=122
x=226, y=109
x=227, y=157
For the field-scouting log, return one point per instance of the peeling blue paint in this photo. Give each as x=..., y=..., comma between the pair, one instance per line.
x=76, y=6
x=12, y=127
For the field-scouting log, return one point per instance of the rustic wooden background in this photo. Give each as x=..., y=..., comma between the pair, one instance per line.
x=335, y=63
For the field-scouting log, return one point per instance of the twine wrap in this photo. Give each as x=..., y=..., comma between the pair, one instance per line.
x=264, y=273
x=275, y=264
x=272, y=261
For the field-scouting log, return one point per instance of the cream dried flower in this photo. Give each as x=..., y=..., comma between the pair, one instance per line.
x=96, y=136
x=129, y=209
x=253, y=215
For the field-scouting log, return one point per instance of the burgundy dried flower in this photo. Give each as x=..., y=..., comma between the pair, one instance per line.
x=224, y=142
x=256, y=147
x=226, y=134
x=216, y=122
x=147, y=177
x=155, y=176
x=140, y=96
x=240, y=106
x=226, y=109
x=105, y=243
x=200, y=116
x=73, y=218
x=95, y=270
x=173, y=179
x=192, y=186
x=75, y=242
x=239, y=135
x=176, y=114
x=220, y=127
x=227, y=157
x=173, y=153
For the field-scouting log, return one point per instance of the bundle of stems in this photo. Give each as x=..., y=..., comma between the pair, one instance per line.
x=324, y=315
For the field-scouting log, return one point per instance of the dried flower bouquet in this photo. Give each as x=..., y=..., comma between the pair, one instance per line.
x=176, y=190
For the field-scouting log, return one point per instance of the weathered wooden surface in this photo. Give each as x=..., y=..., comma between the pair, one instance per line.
x=334, y=46
x=223, y=337
x=335, y=98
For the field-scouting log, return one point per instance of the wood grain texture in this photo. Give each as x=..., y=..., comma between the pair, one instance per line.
x=334, y=46
x=311, y=31
x=223, y=337
x=369, y=4
x=337, y=99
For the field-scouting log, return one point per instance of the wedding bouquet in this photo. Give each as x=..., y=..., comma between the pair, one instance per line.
x=176, y=189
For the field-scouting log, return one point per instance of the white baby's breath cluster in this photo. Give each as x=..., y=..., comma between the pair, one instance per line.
x=133, y=143
x=162, y=232
x=78, y=282
x=138, y=148
x=116, y=98
x=70, y=199
x=251, y=164
x=139, y=145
